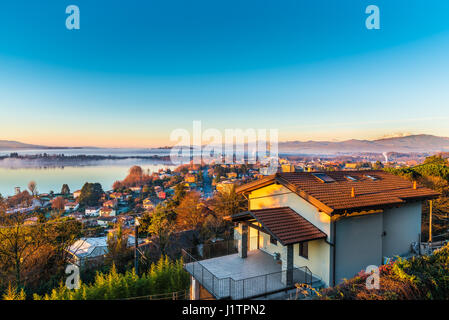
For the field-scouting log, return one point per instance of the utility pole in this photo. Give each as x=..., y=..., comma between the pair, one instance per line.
x=136, y=251
x=430, y=220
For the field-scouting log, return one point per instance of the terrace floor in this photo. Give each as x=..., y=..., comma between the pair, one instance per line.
x=256, y=264
x=232, y=276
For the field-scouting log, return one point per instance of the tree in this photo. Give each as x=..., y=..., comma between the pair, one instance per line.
x=162, y=226
x=65, y=189
x=180, y=192
x=117, y=185
x=90, y=194
x=3, y=205
x=434, y=174
x=32, y=255
x=47, y=265
x=214, y=227
x=436, y=159
x=12, y=293
x=378, y=165
x=190, y=212
x=135, y=171
x=18, y=242
x=165, y=276
x=33, y=188
x=135, y=178
x=58, y=204
x=22, y=199
x=145, y=221
x=229, y=203
x=119, y=254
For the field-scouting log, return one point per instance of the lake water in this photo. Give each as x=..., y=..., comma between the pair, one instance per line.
x=16, y=173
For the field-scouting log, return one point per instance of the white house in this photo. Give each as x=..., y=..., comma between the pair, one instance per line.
x=86, y=249
x=319, y=227
x=105, y=220
x=136, y=189
x=92, y=212
x=107, y=212
x=76, y=194
x=71, y=206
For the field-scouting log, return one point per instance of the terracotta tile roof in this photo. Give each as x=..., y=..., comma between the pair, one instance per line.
x=286, y=225
x=256, y=184
x=385, y=189
x=335, y=197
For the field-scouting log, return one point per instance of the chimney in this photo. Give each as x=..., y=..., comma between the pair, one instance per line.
x=352, y=192
x=414, y=185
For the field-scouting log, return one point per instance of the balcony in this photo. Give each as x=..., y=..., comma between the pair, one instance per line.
x=230, y=277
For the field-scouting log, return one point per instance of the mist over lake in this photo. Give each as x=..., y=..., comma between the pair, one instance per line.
x=18, y=172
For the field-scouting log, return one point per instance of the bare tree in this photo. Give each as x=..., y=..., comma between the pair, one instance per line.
x=33, y=188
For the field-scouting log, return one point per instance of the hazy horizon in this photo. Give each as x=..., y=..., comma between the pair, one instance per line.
x=398, y=135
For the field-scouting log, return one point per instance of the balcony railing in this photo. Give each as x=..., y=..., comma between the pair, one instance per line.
x=228, y=288
x=213, y=250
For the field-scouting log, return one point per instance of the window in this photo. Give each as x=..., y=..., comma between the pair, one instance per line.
x=370, y=177
x=273, y=240
x=323, y=177
x=304, y=249
x=349, y=178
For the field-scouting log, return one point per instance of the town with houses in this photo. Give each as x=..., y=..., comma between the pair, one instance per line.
x=127, y=203
x=249, y=235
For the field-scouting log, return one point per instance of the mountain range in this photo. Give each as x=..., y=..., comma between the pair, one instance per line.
x=11, y=145
x=410, y=143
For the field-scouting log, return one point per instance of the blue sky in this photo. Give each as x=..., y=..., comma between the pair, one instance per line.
x=136, y=70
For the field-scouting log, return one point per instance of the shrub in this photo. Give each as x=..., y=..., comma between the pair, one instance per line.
x=424, y=277
x=164, y=277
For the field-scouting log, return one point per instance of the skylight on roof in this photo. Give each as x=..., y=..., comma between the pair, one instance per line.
x=370, y=177
x=350, y=178
x=323, y=177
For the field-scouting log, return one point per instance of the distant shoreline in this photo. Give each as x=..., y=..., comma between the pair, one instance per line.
x=56, y=161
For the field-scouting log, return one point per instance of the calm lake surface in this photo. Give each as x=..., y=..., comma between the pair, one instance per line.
x=17, y=173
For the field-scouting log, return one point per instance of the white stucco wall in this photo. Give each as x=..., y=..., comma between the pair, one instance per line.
x=252, y=237
x=318, y=261
x=252, y=234
x=319, y=251
x=289, y=199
